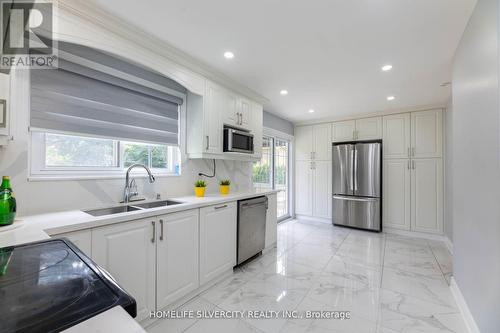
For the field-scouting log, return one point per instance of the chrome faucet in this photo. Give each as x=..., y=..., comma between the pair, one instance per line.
x=130, y=186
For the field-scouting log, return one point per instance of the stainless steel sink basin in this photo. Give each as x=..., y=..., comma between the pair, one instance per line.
x=111, y=210
x=155, y=204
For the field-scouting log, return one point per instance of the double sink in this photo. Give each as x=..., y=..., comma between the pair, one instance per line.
x=130, y=208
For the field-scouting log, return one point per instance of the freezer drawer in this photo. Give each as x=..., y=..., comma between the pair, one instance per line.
x=357, y=212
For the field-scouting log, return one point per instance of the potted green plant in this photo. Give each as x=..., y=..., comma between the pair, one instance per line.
x=200, y=187
x=224, y=186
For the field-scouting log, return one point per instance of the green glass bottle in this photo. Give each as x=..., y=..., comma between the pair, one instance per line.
x=7, y=203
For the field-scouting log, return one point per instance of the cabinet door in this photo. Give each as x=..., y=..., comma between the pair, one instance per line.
x=369, y=128
x=245, y=112
x=177, y=256
x=303, y=143
x=217, y=240
x=303, y=187
x=215, y=103
x=231, y=109
x=322, y=142
x=256, y=118
x=396, y=138
x=271, y=220
x=426, y=134
x=127, y=251
x=322, y=189
x=344, y=131
x=82, y=239
x=427, y=195
x=396, y=194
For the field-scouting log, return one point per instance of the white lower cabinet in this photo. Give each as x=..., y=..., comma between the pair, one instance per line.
x=217, y=240
x=303, y=187
x=82, y=239
x=396, y=194
x=271, y=220
x=177, y=256
x=128, y=252
x=322, y=189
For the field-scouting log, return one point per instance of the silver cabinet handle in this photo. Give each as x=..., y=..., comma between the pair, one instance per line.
x=220, y=207
x=409, y=153
x=161, y=230
x=208, y=142
x=154, y=232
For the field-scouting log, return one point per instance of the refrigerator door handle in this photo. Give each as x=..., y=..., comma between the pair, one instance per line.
x=355, y=172
x=351, y=176
x=342, y=197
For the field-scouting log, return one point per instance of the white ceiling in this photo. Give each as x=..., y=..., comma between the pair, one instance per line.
x=326, y=53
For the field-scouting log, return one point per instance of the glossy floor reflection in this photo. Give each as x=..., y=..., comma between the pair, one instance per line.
x=388, y=283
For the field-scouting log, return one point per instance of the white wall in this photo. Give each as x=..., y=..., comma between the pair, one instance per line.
x=476, y=166
x=448, y=171
x=35, y=197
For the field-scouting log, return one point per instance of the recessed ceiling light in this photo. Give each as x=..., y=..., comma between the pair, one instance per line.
x=284, y=92
x=311, y=111
x=386, y=68
x=391, y=98
x=228, y=55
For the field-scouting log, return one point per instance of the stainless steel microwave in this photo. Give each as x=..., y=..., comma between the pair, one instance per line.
x=238, y=141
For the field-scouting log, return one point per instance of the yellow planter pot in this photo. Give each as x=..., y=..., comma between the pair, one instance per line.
x=224, y=189
x=199, y=191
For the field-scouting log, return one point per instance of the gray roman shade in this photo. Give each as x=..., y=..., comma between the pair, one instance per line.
x=93, y=93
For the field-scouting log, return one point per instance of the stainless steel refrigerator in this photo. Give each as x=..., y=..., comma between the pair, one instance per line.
x=357, y=175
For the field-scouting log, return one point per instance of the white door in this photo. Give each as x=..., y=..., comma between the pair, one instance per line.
x=396, y=138
x=177, y=256
x=322, y=142
x=396, y=194
x=303, y=143
x=322, y=187
x=369, y=128
x=82, y=239
x=427, y=195
x=217, y=240
x=426, y=134
x=303, y=187
x=215, y=103
x=344, y=131
x=128, y=251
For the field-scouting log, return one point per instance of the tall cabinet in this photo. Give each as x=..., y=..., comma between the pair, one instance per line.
x=313, y=169
x=413, y=171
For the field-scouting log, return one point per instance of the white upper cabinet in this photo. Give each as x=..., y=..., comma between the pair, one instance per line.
x=303, y=143
x=244, y=110
x=217, y=240
x=257, y=121
x=344, y=131
x=427, y=195
x=426, y=134
x=215, y=102
x=128, y=252
x=396, y=140
x=368, y=128
x=396, y=194
x=322, y=142
x=177, y=256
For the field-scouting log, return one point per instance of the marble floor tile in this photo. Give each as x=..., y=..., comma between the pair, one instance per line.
x=443, y=257
x=222, y=326
x=345, y=270
x=409, y=248
x=371, y=253
x=315, y=256
x=410, y=263
x=222, y=290
x=353, y=325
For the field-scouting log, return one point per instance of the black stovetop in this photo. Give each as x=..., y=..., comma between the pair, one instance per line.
x=51, y=285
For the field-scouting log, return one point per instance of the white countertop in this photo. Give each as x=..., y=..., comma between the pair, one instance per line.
x=39, y=227
x=113, y=320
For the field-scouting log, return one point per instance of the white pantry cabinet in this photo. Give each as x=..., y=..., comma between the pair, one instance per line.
x=217, y=240
x=396, y=193
x=344, y=131
x=177, y=256
x=397, y=139
x=303, y=143
x=303, y=187
x=82, y=239
x=322, y=189
x=313, y=142
x=128, y=251
x=427, y=134
x=368, y=128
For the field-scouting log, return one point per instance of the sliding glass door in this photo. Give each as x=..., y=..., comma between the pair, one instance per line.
x=272, y=171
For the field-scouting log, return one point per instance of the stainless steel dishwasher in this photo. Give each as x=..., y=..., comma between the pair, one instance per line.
x=251, y=227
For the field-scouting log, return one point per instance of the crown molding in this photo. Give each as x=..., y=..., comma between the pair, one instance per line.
x=92, y=13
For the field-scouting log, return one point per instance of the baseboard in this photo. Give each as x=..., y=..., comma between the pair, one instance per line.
x=313, y=218
x=449, y=244
x=470, y=323
x=415, y=234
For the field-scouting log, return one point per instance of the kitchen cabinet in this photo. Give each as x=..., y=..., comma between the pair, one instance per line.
x=427, y=195
x=214, y=104
x=426, y=134
x=217, y=240
x=322, y=189
x=303, y=187
x=313, y=142
x=368, y=128
x=396, y=194
x=344, y=131
x=257, y=120
x=271, y=220
x=4, y=107
x=177, y=256
x=128, y=251
x=396, y=139
x=82, y=239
